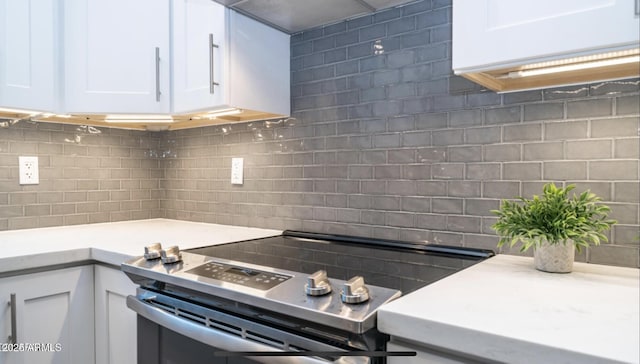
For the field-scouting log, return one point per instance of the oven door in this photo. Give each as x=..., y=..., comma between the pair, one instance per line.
x=175, y=331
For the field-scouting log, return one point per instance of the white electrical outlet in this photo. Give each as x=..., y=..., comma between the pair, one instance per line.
x=236, y=171
x=28, y=170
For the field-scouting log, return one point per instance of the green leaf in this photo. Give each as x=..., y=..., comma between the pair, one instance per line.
x=553, y=217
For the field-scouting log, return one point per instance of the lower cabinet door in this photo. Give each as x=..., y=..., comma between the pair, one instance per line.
x=424, y=355
x=115, y=323
x=47, y=317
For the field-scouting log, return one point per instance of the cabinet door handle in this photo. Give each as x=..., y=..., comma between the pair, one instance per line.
x=212, y=79
x=637, y=8
x=158, y=74
x=13, y=338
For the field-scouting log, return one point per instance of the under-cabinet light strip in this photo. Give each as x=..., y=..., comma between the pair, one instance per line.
x=571, y=67
x=138, y=119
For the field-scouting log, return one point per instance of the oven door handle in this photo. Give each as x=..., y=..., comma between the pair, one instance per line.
x=209, y=335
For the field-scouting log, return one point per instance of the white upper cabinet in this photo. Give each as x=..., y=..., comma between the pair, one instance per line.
x=509, y=34
x=117, y=56
x=223, y=59
x=28, y=54
x=199, y=37
x=259, y=58
x=155, y=57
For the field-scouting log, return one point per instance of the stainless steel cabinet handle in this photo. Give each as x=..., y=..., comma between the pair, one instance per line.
x=637, y=8
x=13, y=338
x=158, y=74
x=212, y=80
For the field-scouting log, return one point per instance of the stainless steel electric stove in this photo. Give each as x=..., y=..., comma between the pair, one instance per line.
x=309, y=297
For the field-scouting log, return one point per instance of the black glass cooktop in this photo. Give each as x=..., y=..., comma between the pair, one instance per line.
x=392, y=264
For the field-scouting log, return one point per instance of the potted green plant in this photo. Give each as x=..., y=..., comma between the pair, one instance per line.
x=554, y=225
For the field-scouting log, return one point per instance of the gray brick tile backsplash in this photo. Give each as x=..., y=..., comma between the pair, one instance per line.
x=465, y=117
x=385, y=142
x=448, y=137
x=543, y=151
x=502, y=115
x=483, y=99
x=432, y=87
x=463, y=188
x=415, y=39
x=465, y=154
x=372, y=32
x=482, y=171
x=628, y=105
x=614, y=170
x=619, y=127
x=524, y=132
x=566, y=130
x=416, y=204
x=431, y=221
x=626, y=191
x=459, y=85
x=503, y=152
x=567, y=92
x=613, y=87
x=465, y=224
x=500, y=189
x=516, y=171
x=564, y=170
x=447, y=205
x=544, y=111
x=589, y=149
x=446, y=171
x=485, y=135
x=416, y=171
x=432, y=18
x=589, y=108
x=415, y=106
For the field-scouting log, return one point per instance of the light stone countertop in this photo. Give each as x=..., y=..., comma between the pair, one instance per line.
x=500, y=309
x=503, y=309
x=111, y=243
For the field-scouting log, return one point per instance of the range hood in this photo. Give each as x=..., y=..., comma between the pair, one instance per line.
x=293, y=16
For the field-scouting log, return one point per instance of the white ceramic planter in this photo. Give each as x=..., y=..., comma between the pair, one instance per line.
x=554, y=258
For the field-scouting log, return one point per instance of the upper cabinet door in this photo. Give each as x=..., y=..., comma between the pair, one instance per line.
x=258, y=66
x=28, y=54
x=117, y=56
x=500, y=33
x=199, y=36
x=224, y=59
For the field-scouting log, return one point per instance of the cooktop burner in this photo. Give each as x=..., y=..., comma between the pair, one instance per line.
x=396, y=265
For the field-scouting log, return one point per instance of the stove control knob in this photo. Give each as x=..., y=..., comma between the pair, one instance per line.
x=170, y=255
x=152, y=251
x=354, y=291
x=317, y=284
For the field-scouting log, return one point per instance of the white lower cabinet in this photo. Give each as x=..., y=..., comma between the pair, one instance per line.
x=424, y=355
x=115, y=323
x=53, y=321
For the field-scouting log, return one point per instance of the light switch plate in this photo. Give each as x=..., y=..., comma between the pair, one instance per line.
x=237, y=165
x=28, y=170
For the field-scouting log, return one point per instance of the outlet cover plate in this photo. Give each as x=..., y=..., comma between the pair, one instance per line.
x=28, y=170
x=237, y=165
